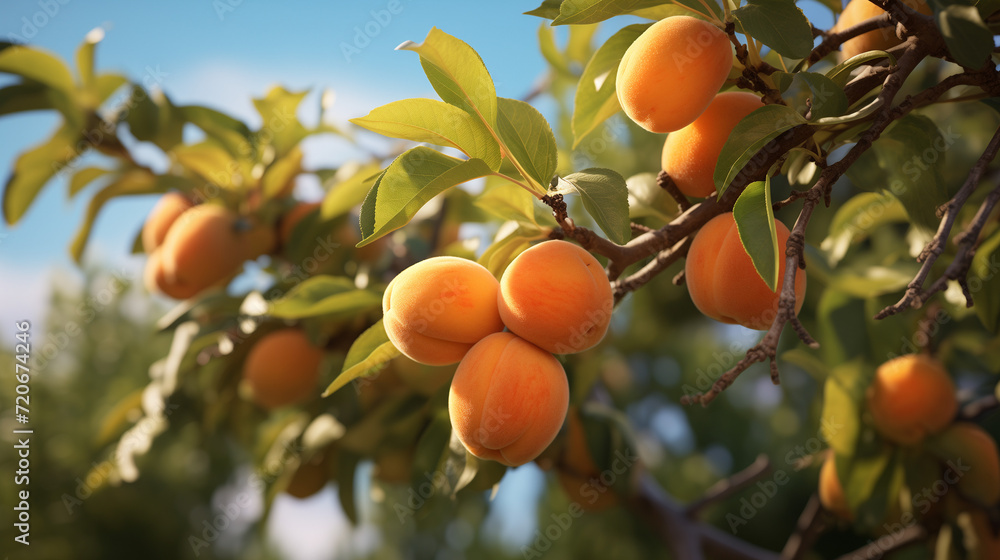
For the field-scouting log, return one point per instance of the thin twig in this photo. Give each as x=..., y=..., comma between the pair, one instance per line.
x=807, y=528
x=667, y=183
x=732, y=485
x=878, y=548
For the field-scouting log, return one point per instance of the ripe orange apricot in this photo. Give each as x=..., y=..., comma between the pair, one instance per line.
x=292, y=218
x=831, y=492
x=723, y=282
x=508, y=399
x=556, y=296
x=161, y=217
x=577, y=473
x=690, y=154
x=966, y=444
x=207, y=244
x=282, y=368
x=911, y=397
x=155, y=279
x=669, y=75
x=858, y=11
x=435, y=310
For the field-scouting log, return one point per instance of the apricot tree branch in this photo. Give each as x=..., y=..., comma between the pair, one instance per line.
x=915, y=294
x=833, y=39
x=732, y=485
x=807, y=528
x=878, y=548
x=667, y=183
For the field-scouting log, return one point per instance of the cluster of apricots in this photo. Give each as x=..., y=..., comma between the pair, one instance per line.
x=509, y=395
x=195, y=247
x=882, y=39
x=911, y=402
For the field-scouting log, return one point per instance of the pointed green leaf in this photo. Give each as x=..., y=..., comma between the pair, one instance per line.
x=133, y=182
x=748, y=137
x=547, y=45
x=210, y=161
x=106, y=84
x=507, y=201
x=84, y=177
x=605, y=196
x=325, y=295
x=647, y=199
x=281, y=173
x=779, y=24
x=457, y=74
x=85, y=56
x=755, y=222
x=856, y=218
x=367, y=355
x=594, y=11
x=34, y=168
x=509, y=243
x=344, y=195
x=233, y=134
x=409, y=182
x=843, y=397
x=595, y=98
x=37, y=65
x=548, y=10
x=528, y=139
x=825, y=97
x=434, y=122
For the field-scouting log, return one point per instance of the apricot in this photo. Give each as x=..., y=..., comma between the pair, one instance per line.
x=858, y=11
x=578, y=474
x=967, y=445
x=394, y=465
x=292, y=218
x=282, y=368
x=690, y=154
x=556, y=296
x=207, y=244
x=309, y=478
x=669, y=75
x=831, y=491
x=155, y=279
x=508, y=399
x=435, y=310
x=911, y=397
x=161, y=217
x=723, y=282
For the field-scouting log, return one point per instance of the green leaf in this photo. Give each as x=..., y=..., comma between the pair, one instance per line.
x=367, y=355
x=153, y=118
x=595, y=99
x=605, y=196
x=507, y=201
x=528, y=139
x=84, y=177
x=233, y=134
x=779, y=24
x=434, y=122
x=647, y=199
x=457, y=74
x=967, y=37
x=509, y=243
x=37, y=65
x=349, y=192
x=210, y=161
x=410, y=181
x=325, y=295
x=748, y=137
x=841, y=73
x=347, y=464
x=594, y=11
x=856, y=218
x=106, y=84
x=280, y=174
x=34, y=168
x=755, y=222
x=278, y=111
x=137, y=181
x=826, y=98
x=843, y=395
x=547, y=46
x=85, y=56
x=868, y=484
x=983, y=274
x=840, y=314
x=907, y=160
x=18, y=98
x=548, y=10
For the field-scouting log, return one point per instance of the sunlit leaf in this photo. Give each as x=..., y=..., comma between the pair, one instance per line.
x=605, y=196
x=325, y=295
x=368, y=355
x=528, y=139
x=755, y=222
x=33, y=168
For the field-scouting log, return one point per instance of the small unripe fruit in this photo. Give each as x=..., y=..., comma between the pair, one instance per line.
x=723, y=282
x=911, y=397
x=556, y=296
x=435, y=310
x=670, y=74
x=282, y=368
x=508, y=399
x=690, y=154
x=831, y=491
